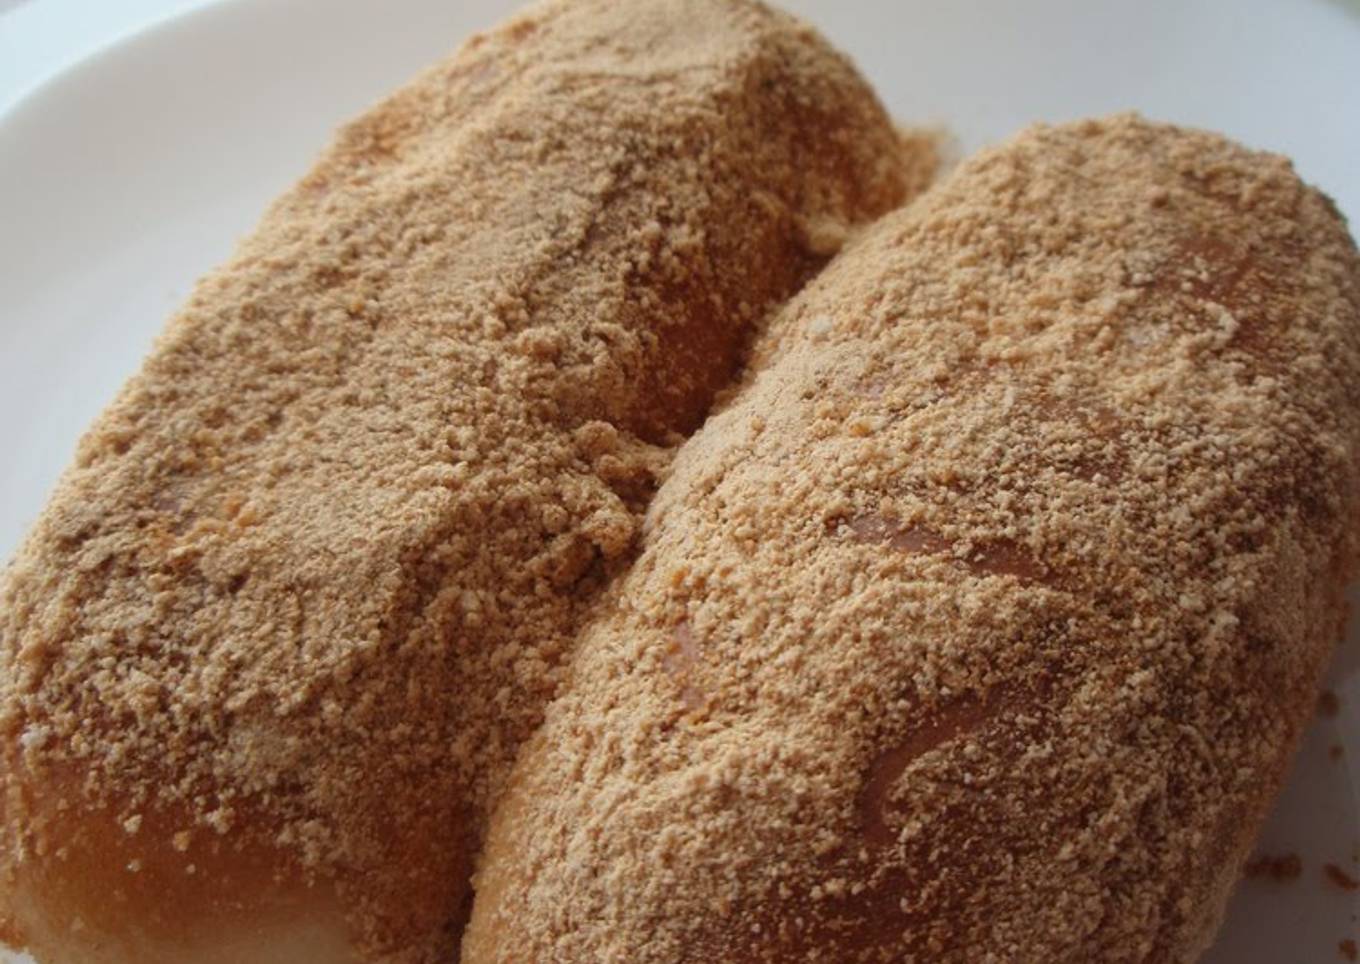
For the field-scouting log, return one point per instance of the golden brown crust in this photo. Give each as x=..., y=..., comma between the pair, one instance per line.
x=106, y=890
x=981, y=624
x=316, y=570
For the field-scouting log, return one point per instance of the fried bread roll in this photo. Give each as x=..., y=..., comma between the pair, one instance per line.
x=268, y=655
x=981, y=625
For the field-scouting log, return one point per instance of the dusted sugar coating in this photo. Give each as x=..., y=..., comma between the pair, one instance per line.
x=980, y=626
x=270, y=651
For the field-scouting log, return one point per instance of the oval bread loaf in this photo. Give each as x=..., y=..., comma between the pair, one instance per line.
x=269, y=653
x=980, y=626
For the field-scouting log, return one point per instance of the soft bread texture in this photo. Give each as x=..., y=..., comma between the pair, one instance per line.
x=979, y=627
x=269, y=653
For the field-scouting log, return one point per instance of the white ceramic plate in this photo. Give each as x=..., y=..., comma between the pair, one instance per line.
x=130, y=174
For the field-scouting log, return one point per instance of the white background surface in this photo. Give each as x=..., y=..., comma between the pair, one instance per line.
x=124, y=178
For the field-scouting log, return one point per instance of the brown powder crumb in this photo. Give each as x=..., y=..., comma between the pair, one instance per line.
x=926, y=153
x=1029, y=446
x=1281, y=868
x=1335, y=752
x=352, y=596
x=1340, y=878
x=1328, y=704
x=316, y=573
x=1347, y=949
